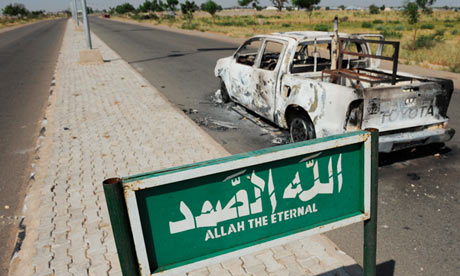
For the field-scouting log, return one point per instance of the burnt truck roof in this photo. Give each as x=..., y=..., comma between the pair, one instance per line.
x=303, y=35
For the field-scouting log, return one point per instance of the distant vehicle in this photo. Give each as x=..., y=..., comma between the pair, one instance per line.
x=105, y=15
x=318, y=84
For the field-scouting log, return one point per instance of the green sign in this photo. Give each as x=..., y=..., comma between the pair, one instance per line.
x=181, y=218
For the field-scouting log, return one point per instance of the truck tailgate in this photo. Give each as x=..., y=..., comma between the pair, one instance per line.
x=406, y=106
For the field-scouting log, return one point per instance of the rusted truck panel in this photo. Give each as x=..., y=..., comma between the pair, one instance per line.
x=287, y=79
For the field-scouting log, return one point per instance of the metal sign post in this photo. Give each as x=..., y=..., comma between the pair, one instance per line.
x=86, y=23
x=176, y=220
x=370, y=225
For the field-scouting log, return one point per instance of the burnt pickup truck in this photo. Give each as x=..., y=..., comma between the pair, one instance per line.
x=318, y=84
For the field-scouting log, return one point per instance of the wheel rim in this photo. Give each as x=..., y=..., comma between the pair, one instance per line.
x=299, y=130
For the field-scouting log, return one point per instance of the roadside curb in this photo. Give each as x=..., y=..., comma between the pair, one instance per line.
x=40, y=168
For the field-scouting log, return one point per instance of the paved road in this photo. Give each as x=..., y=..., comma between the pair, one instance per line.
x=27, y=61
x=419, y=193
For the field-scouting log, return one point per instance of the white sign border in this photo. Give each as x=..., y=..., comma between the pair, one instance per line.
x=136, y=227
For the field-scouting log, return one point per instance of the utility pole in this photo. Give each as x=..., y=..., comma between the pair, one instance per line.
x=86, y=23
x=72, y=9
x=76, y=12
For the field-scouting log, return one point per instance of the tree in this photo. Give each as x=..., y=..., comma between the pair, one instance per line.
x=373, y=9
x=171, y=5
x=158, y=6
x=152, y=6
x=124, y=8
x=411, y=11
x=15, y=10
x=89, y=10
x=425, y=5
x=145, y=7
x=211, y=7
x=382, y=8
x=254, y=4
x=279, y=4
x=342, y=7
x=188, y=8
x=306, y=4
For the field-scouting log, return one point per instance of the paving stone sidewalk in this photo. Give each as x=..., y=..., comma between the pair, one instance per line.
x=104, y=121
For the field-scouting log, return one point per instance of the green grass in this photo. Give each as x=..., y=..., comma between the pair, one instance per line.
x=367, y=25
x=391, y=34
x=427, y=27
x=323, y=28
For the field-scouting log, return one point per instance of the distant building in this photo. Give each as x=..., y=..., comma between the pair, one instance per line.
x=352, y=8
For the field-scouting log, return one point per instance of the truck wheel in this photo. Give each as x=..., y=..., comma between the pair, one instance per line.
x=301, y=128
x=224, y=92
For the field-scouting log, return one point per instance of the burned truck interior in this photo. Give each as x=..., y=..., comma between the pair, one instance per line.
x=356, y=66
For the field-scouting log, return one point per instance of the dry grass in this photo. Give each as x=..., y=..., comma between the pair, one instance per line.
x=440, y=52
x=6, y=22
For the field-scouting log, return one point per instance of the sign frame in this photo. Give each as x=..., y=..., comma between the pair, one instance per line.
x=169, y=176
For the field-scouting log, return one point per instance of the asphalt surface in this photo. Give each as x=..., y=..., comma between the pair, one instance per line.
x=419, y=190
x=28, y=58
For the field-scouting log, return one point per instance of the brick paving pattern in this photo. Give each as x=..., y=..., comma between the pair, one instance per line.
x=109, y=121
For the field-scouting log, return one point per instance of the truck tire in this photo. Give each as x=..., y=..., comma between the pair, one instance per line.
x=301, y=128
x=224, y=92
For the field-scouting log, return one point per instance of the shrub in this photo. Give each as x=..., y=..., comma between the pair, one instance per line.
x=377, y=21
x=392, y=34
x=439, y=33
x=322, y=28
x=144, y=16
x=448, y=25
x=344, y=19
x=373, y=9
x=400, y=28
x=427, y=27
x=285, y=25
x=380, y=28
x=455, y=68
x=260, y=16
x=187, y=26
x=136, y=17
x=427, y=41
x=165, y=17
x=455, y=32
x=366, y=25
x=250, y=22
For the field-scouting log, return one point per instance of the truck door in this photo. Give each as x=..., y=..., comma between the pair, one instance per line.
x=267, y=78
x=242, y=72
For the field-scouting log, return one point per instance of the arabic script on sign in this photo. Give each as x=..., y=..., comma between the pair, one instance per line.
x=239, y=205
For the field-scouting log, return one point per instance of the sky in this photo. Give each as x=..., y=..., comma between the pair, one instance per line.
x=58, y=5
